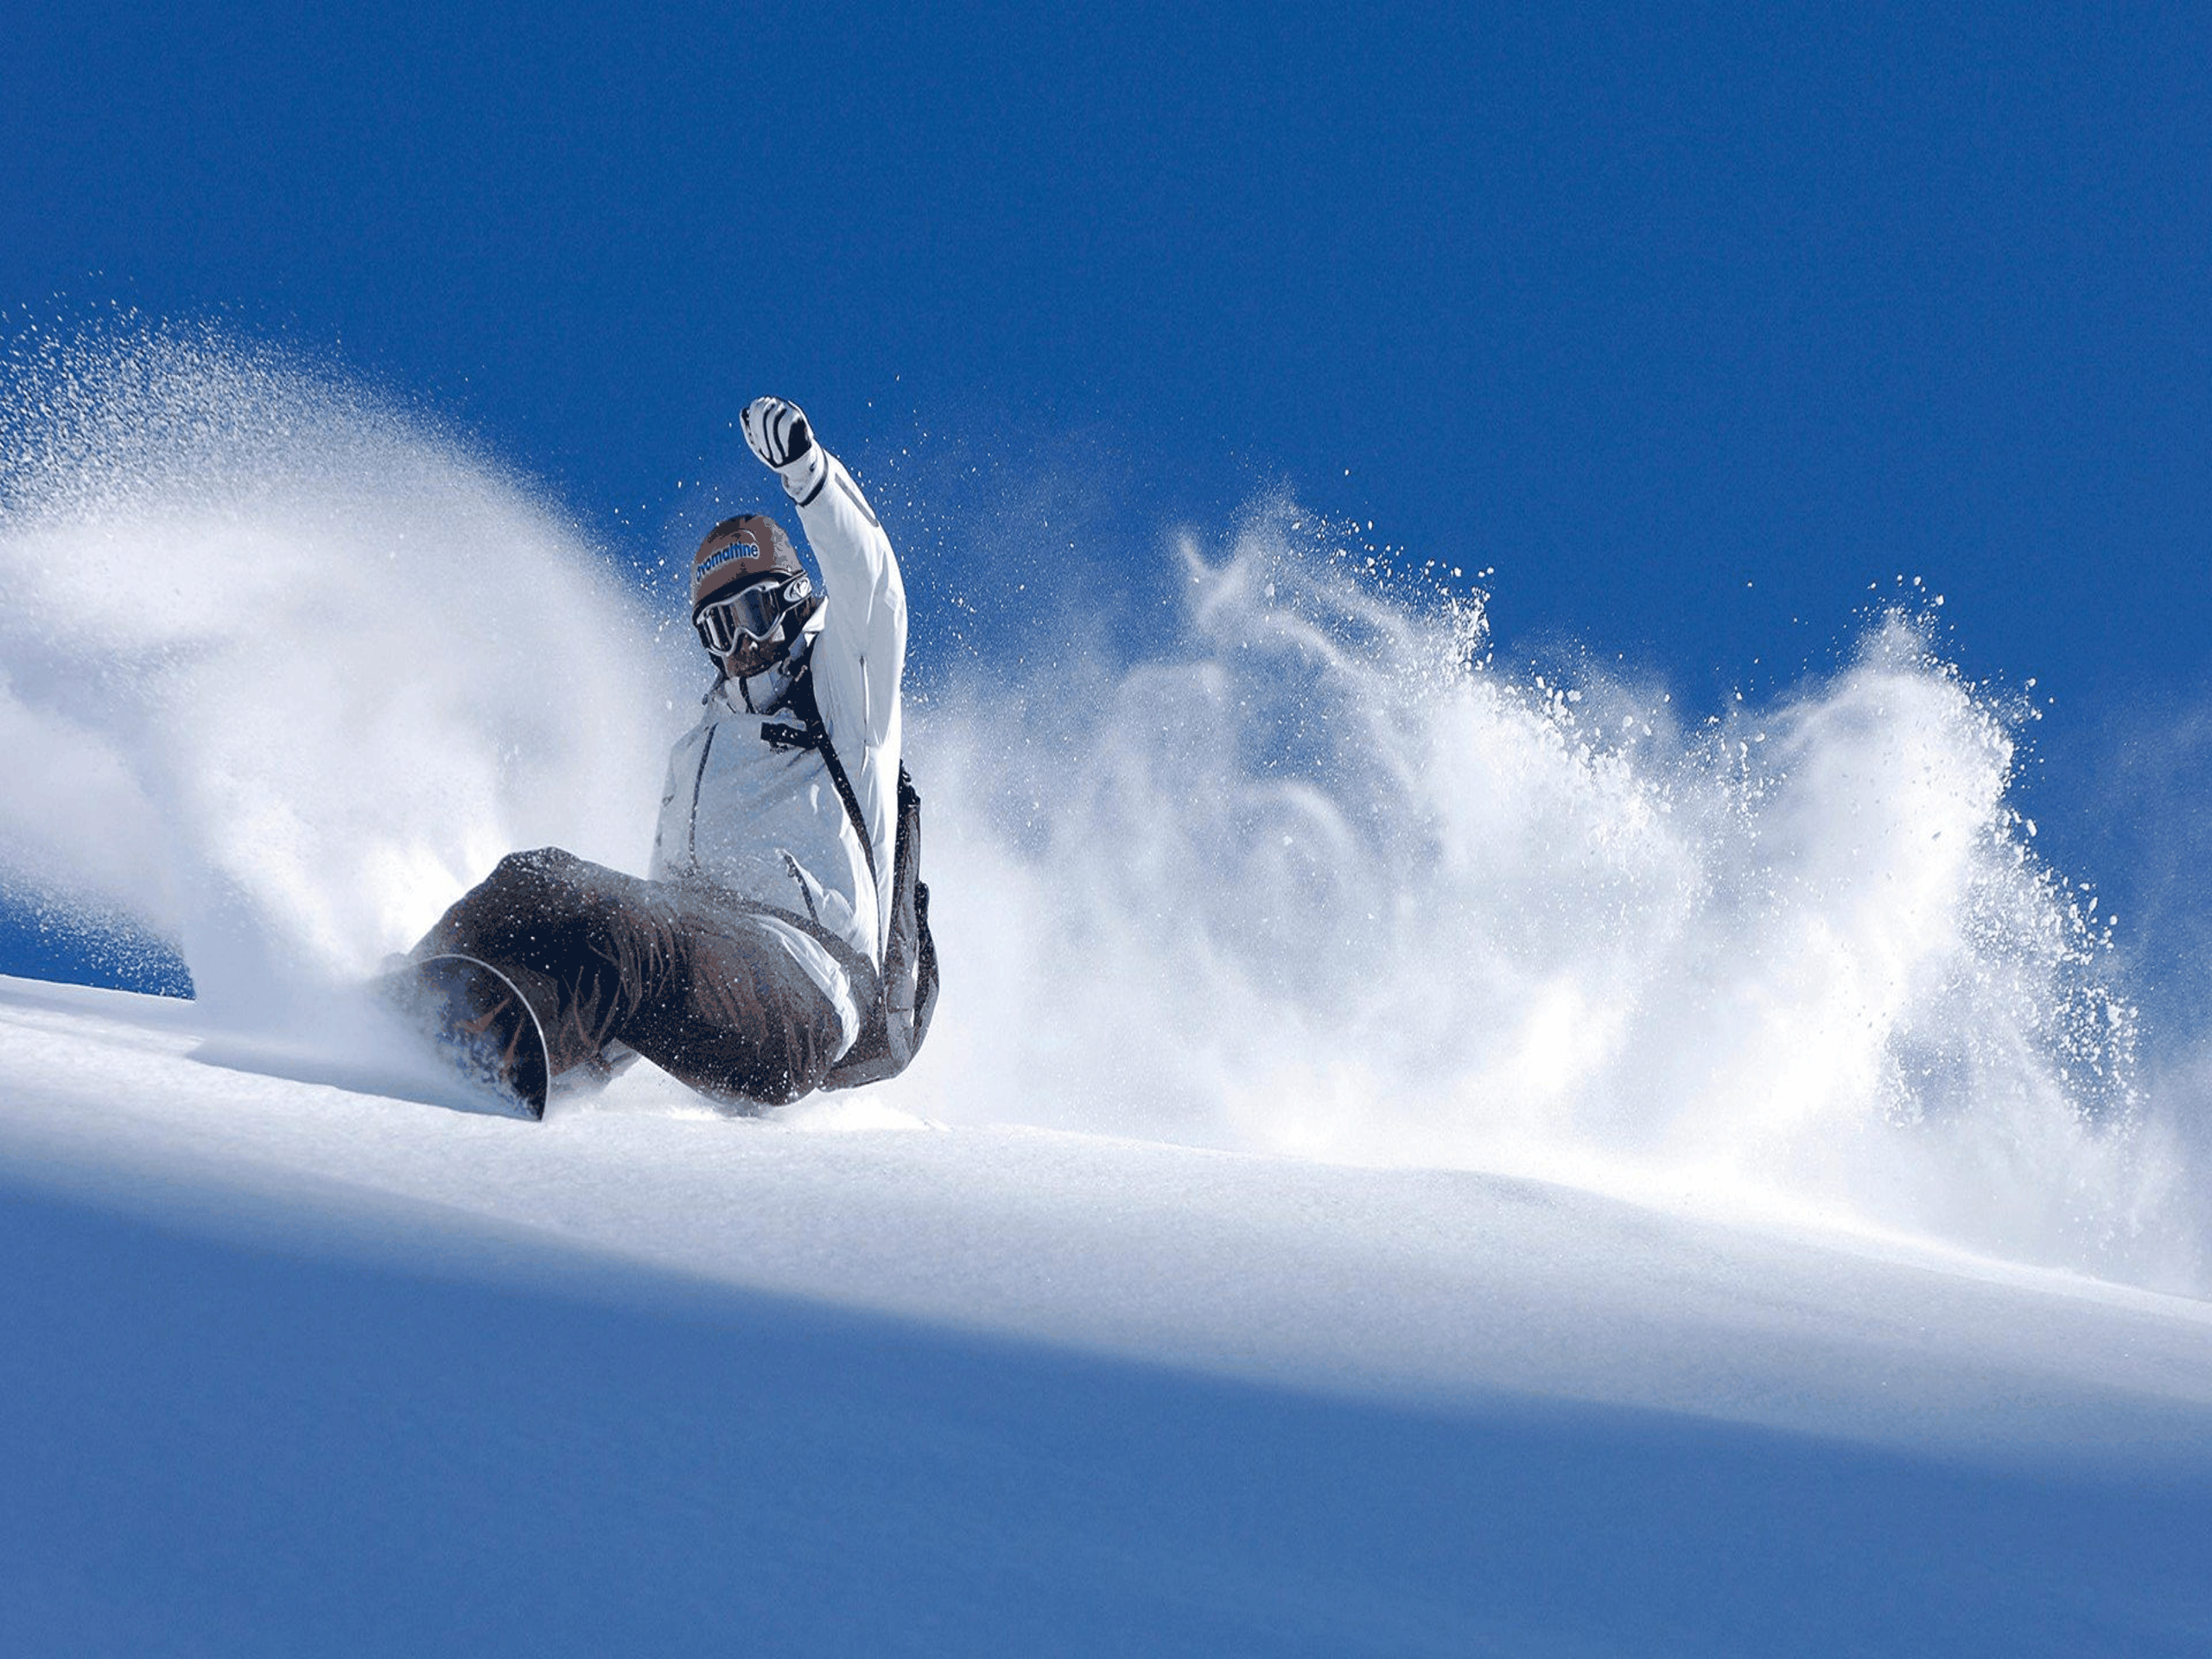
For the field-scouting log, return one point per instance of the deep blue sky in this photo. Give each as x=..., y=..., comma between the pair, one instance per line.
x=1637, y=304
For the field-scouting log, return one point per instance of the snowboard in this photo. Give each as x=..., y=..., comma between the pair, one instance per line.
x=481, y=1025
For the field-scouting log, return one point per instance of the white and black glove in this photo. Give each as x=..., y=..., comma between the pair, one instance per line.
x=776, y=432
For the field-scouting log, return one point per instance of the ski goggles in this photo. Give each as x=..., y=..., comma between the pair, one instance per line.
x=751, y=612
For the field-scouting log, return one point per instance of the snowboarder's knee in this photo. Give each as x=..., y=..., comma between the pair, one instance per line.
x=531, y=877
x=539, y=860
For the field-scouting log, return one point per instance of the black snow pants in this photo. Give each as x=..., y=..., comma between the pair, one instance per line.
x=704, y=987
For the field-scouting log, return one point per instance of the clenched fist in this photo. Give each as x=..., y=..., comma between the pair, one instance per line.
x=776, y=432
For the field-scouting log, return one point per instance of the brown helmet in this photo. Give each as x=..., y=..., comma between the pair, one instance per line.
x=737, y=551
x=748, y=581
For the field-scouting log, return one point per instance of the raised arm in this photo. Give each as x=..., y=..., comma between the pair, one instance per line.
x=864, y=628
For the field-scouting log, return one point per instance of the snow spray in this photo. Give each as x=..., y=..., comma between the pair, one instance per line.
x=282, y=672
x=1324, y=881
x=284, y=669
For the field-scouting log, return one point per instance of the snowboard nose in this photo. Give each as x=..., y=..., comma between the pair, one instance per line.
x=482, y=1026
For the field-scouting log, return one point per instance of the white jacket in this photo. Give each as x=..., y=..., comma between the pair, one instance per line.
x=765, y=820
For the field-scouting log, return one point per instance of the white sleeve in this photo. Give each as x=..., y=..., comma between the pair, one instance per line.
x=860, y=656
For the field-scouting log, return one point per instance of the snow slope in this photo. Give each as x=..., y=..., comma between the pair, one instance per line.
x=1415, y=1154
x=292, y=1367
x=1293, y=867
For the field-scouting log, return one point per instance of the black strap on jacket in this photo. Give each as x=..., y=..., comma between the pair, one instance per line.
x=811, y=733
x=904, y=982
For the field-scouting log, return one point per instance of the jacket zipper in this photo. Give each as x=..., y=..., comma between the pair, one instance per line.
x=698, y=784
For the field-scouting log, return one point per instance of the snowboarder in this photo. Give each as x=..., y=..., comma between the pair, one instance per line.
x=774, y=935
